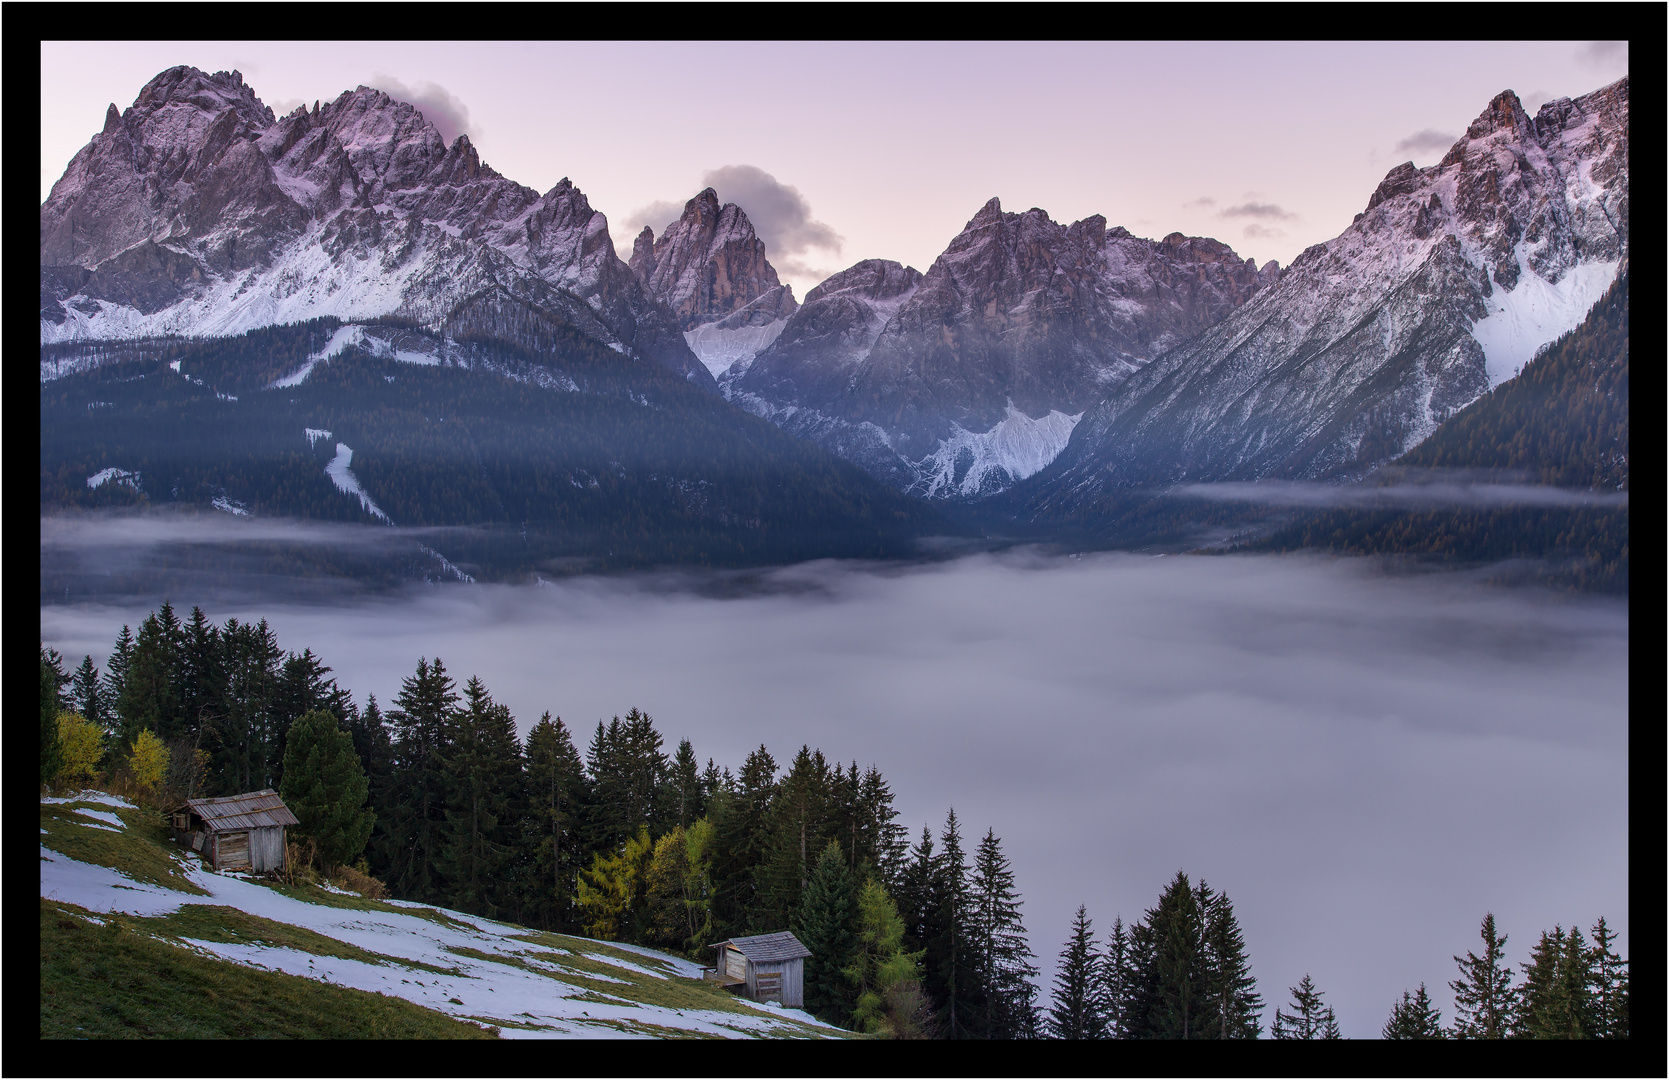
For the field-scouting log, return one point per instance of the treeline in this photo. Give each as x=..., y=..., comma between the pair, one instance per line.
x=623, y=840
x=1181, y=972
x=439, y=799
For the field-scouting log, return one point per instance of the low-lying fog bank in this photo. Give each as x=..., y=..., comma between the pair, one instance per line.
x=1367, y=764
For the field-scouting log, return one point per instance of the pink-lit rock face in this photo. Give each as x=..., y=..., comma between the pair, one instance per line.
x=1451, y=279
x=198, y=212
x=708, y=265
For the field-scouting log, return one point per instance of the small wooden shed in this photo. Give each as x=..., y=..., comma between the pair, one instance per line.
x=236, y=832
x=770, y=966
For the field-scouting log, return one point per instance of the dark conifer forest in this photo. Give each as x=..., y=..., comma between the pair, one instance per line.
x=612, y=833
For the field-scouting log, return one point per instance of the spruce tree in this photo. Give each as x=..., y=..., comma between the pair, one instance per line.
x=1483, y=993
x=826, y=926
x=1076, y=1009
x=1415, y=1017
x=1118, y=976
x=1310, y=1018
x=997, y=944
x=957, y=983
x=1555, y=1000
x=1608, y=984
x=115, y=672
x=483, y=780
x=556, y=790
x=743, y=819
x=1172, y=988
x=1230, y=1003
x=423, y=721
x=325, y=786
x=52, y=752
x=799, y=828
x=685, y=801
x=882, y=841
x=87, y=693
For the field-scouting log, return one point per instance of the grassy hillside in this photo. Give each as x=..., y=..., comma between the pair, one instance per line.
x=139, y=939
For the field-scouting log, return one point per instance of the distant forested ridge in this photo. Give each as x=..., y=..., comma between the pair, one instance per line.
x=554, y=448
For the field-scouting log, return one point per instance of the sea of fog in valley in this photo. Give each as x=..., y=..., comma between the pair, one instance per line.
x=1366, y=762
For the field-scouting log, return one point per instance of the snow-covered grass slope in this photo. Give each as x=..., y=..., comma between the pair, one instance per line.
x=102, y=856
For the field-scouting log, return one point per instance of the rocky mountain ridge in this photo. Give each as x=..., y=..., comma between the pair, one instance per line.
x=196, y=211
x=967, y=378
x=1446, y=284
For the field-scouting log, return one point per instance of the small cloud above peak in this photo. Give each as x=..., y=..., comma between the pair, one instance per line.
x=438, y=105
x=1255, y=231
x=1261, y=210
x=1202, y=201
x=781, y=216
x=1426, y=141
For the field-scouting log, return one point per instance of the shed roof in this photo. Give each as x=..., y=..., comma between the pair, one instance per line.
x=765, y=948
x=254, y=810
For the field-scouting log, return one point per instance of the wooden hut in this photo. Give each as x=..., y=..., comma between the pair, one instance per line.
x=770, y=966
x=236, y=832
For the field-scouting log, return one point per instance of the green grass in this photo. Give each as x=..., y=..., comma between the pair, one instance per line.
x=117, y=982
x=143, y=851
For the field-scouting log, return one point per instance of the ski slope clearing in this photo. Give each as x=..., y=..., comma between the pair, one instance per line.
x=526, y=983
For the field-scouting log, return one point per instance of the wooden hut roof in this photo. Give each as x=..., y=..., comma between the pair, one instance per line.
x=254, y=810
x=767, y=948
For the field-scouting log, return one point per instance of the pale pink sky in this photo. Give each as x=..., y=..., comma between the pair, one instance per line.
x=1270, y=147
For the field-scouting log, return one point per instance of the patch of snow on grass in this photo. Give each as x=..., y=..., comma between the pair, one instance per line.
x=102, y=815
x=315, y=434
x=89, y=795
x=524, y=1002
x=221, y=502
x=1536, y=313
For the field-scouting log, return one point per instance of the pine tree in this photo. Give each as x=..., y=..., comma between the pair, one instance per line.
x=997, y=944
x=1230, y=1003
x=743, y=818
x=1555, y=1000
x=882, y=841
x=1608, y=984
x=685, y=801
x=799, y=828
x=482, y=774
x=52, y=752
x=1483, y=993
x=325, y=786
x=957, y=983
x=115, y=674
x=1310, y=1019
x=426, y=708
x=557, y=796
x=1170, y=995
x=87, y=693
x=826, y=925
x=1118, y=976
x=1076, y=1011
x=1415, y=1017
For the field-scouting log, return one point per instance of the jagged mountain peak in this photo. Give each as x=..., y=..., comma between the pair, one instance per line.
x=1445, y=285
x=201, y=213
x=707, y=265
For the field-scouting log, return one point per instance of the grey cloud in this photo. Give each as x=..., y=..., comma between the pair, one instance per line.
x=1203, y=200
x=1266, y=211
x=1428, y=141
x=438, y=105
x=1535, y=100
x=1255, y=231
x=1426, y=492
x=781, y=216
x=657, y=215
x=1605, y=54
x=1347, y=755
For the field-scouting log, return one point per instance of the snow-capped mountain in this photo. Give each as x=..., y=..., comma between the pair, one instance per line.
x=198, y=212
x=1450, y=280
x=970, y=377
x=710, y=269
